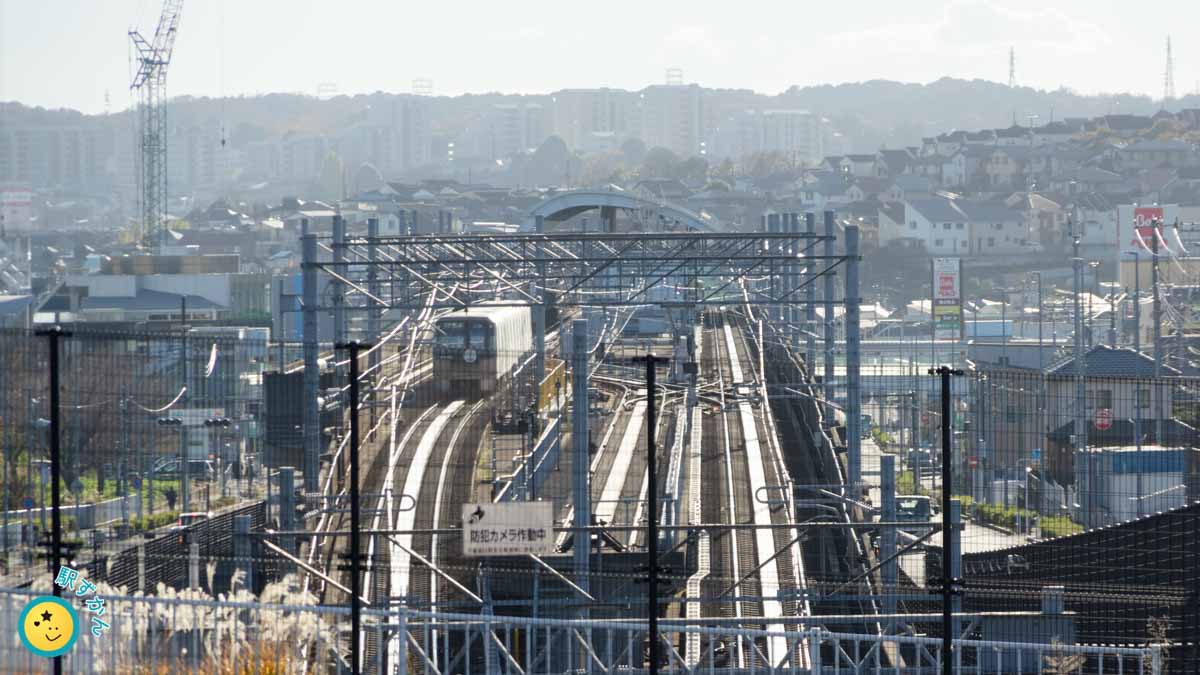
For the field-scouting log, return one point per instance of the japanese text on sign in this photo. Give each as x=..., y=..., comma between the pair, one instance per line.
x=516, y=528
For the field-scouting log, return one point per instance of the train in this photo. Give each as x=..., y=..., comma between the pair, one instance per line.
x=475, y=349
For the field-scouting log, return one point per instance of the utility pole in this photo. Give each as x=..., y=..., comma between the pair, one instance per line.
x=1155, y=394
x=1137, y=347
x=53, y=336
x=951, y=586
x=651, y=361
x=355, y=516
x=1080, y=443
x=1041, y=357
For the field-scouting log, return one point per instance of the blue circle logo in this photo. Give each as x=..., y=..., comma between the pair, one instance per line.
x=48, y=626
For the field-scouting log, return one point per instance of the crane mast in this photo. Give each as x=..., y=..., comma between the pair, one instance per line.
x=153, y=57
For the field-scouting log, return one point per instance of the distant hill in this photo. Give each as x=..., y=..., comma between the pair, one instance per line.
x=882, y=112
x=872, y=114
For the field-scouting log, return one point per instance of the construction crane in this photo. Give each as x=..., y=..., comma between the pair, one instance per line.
x=150, y=80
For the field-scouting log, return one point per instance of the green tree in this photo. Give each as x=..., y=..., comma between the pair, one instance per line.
x=693, y=170
x=633, y=151
x=550, y=162
x=763, y=164
x=659, y=163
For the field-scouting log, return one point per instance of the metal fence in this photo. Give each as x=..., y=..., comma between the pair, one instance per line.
x=154, y=424
x=190, y=634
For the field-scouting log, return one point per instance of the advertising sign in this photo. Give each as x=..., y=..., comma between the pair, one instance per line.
x=947, y=298
x=512, y=528
x=1136, y=230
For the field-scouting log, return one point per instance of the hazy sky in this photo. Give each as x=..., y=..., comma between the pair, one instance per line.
x=69, y=53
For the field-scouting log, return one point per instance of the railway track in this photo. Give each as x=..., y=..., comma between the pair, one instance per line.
x=755, y=566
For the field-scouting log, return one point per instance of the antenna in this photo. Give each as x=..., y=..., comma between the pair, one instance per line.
x=1169, y=75
x=674, y=77
x=1012, y=68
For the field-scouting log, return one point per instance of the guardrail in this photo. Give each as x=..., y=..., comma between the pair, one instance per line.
x=152, y=634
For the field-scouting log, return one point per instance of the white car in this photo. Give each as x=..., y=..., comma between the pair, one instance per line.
x=186, y=520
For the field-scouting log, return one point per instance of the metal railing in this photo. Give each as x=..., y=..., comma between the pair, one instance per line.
x=187, y=633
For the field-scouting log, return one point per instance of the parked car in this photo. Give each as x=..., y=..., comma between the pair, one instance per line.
x=186, y=520
x=198, y=469
x=1014, y=562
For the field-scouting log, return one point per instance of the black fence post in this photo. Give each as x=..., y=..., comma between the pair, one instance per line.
x=355, y=528
x=55, y=555
x=652, y=362
x=950, y=586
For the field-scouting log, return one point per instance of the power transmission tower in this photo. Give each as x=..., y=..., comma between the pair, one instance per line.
x=1012, y=68
x=151, y=82
x=1169, y=75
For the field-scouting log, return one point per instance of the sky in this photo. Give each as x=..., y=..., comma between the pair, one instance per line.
x=71, y=53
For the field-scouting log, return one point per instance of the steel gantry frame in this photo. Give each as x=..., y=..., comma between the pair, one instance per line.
x=776, y=269
x=578, y=269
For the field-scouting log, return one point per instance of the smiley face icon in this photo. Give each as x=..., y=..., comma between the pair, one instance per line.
x=48, y=626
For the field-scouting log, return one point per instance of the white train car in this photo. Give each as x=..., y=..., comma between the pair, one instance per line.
x=475, y=349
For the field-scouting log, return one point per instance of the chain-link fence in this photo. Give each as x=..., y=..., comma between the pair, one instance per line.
x=158, y=431
x=182, y=452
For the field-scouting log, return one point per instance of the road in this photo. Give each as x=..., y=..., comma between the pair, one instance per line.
x=976, y=538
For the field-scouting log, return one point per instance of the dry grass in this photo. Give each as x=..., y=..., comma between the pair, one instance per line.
x=154, y=639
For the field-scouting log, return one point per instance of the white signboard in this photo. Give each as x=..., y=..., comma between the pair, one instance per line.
x=947, y=298
x=511, y=528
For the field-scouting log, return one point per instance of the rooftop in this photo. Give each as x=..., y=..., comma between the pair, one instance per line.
x=1105, y=361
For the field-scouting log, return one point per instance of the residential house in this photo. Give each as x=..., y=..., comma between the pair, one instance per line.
x=832, y=164
x=939, y=224
x=1157, y=154
x=868, y=188
x=1006, y=167
x=828, y=190
x=1053, y=133
x=1125, y=126
x=894, y=162
x=1017, y=418
x=893, y=230
x=1190, y=118
x=995, y=229
x=1014, y=135
x=952, y=170
x=949, y=143
x=958, y=227
x=909, y=186
x=1088, y=179
x=860, y=166
x=1044, y=217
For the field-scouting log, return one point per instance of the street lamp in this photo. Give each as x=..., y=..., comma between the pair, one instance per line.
x=1028, y=521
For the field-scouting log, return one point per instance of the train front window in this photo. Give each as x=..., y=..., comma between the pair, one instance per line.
x=450, y=335
x=479, y=335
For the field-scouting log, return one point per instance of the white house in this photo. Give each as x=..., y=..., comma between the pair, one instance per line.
x=939, y=224
x=957, y=227
x=954, y=170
